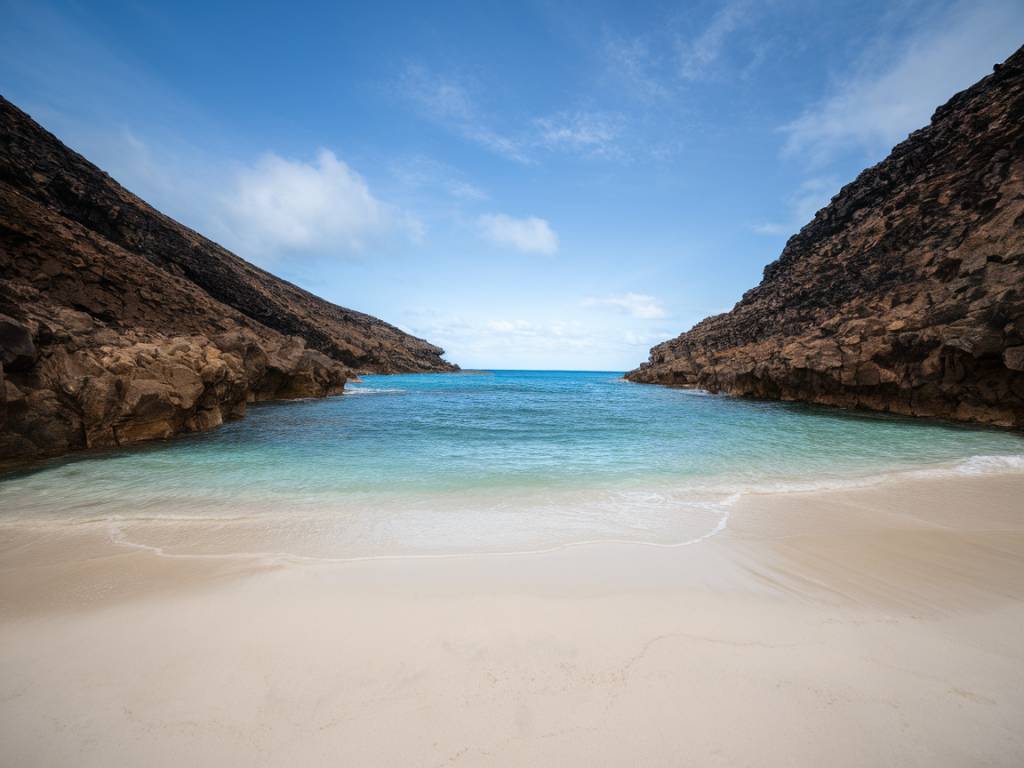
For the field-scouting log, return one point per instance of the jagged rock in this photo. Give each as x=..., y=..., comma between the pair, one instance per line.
x=117, y=324
x=904, y=294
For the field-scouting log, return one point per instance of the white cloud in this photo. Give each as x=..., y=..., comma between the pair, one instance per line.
x=531, y=235
x=879, y=105
x=698, y=55
x=287, y=205
x=638, y=305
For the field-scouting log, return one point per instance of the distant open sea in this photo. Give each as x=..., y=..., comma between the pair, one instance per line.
x=502, y=461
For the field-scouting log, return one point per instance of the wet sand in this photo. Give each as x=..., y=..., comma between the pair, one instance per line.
x=872, y=626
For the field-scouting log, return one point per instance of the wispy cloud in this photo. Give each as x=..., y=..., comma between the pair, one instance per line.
x=773, y=228
x=658, y=65
x=895, y=89
x=811, y=196
x=530, y=235
x=465, y=190
x=697, y=56
x=583, y=132
x=424, y=173
x=441, y=98
x=632, y=61
x=638, y=305
x=449, y=102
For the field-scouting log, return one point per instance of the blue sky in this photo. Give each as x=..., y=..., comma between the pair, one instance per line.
x=530, y=185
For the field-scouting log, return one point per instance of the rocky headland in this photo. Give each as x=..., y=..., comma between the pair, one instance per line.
x=905, y=294
x=118, y=324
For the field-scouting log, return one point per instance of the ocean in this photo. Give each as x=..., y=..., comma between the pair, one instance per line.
x=501, y=461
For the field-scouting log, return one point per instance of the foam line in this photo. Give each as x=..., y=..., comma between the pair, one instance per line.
x=118, y=537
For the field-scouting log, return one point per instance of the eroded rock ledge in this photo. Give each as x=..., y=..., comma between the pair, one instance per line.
x=117, y=324
x=905, y=294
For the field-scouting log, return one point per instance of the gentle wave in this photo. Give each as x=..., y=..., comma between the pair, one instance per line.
x=119, y=538
x=681, y=498
x=971, y=466
x=676, y=494
x=980, y=465
x=372, y=390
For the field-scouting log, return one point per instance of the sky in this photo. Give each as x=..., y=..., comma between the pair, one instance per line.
x=539, y=184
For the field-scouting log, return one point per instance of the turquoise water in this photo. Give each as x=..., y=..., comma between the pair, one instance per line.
x=496, y=461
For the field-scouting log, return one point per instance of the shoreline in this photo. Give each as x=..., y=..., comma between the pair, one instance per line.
x=718, y=500
x=1005, y=471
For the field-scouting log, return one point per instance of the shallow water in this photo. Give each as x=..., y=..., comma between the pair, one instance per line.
x=503, y=461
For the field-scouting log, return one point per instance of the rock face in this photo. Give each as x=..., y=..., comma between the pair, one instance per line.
x=905, y=294
x=117, y=324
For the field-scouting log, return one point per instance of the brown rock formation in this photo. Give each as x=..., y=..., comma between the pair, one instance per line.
x=117, y=324
x=904, y=294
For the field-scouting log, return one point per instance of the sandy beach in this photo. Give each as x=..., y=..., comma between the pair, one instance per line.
x=873, y=626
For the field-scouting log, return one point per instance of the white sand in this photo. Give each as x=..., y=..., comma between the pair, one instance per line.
x=871, y=627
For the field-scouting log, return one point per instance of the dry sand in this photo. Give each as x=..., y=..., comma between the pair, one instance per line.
x=869, y=627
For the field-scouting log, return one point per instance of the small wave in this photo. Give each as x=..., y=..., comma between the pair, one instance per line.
x=373, y=391
x=972, y=466
x=983, y=465
x=723, y=507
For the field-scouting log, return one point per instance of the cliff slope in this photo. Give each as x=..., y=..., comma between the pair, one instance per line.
x=904, y=294
x=118, y=324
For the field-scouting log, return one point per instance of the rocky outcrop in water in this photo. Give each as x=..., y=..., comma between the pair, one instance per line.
x=905, y=294
x=118, y=324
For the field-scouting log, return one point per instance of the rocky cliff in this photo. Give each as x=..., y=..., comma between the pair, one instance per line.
x=905, y=294
x=118, y=324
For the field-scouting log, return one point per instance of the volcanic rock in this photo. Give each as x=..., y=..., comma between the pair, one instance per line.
x=118, y=324
x=905, y=294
